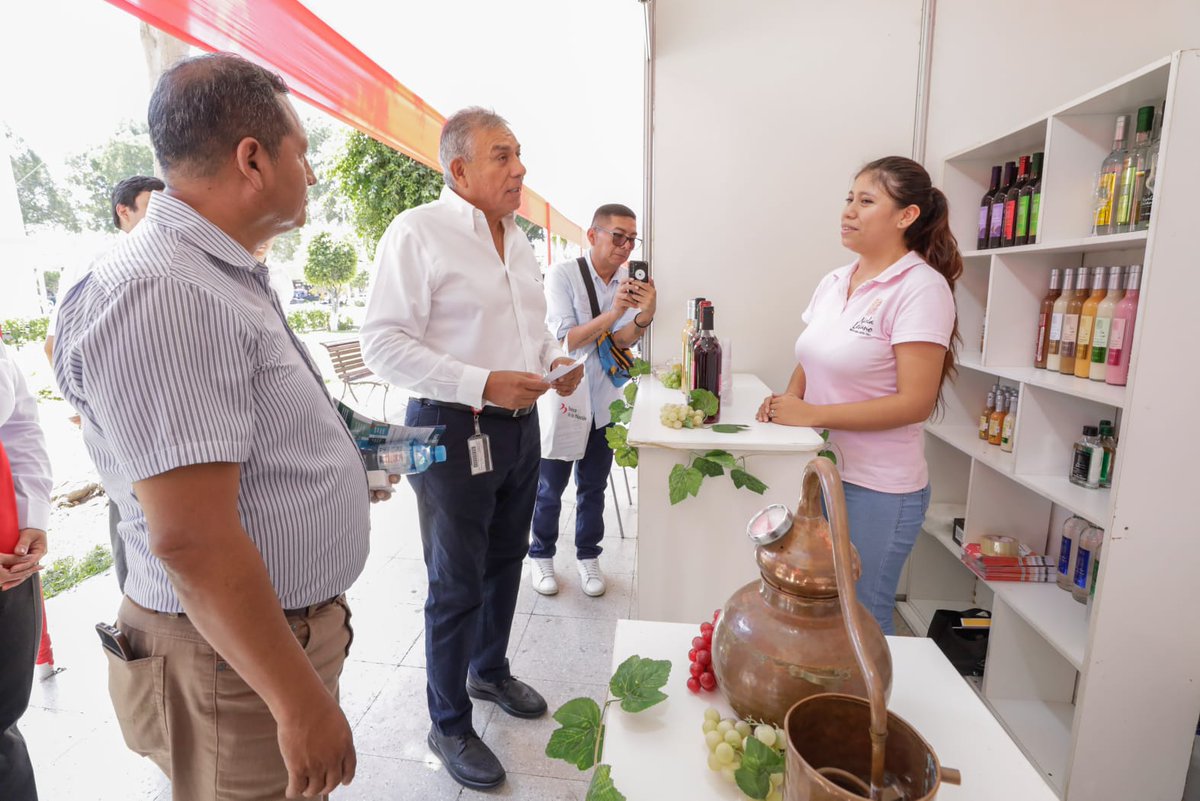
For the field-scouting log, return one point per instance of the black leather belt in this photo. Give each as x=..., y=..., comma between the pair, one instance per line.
x=487, y=411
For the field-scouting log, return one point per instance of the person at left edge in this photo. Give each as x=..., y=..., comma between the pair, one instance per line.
x=457, y=315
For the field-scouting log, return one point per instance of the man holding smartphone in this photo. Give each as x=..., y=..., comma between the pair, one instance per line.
x=627, y=307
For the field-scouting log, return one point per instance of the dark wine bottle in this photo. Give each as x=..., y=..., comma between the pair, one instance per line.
x=1010, y=204
x=996, y=218
x=706, y=360
x=985, y=208
x=1032, y=196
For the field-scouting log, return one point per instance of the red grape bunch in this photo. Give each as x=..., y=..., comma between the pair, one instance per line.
x=702, y=677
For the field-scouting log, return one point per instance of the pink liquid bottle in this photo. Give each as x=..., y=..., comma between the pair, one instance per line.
x=1120, y=337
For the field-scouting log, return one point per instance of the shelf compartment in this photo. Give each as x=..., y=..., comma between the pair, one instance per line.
x=1085, y=389
x=1090, y=504
x=918, y=613
x=1051, y=612
x=1000, y=505
x=1081, y=244
x=1043, y=732
x=966, y=439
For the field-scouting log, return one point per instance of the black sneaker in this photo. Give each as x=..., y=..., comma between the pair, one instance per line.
x=467, y=759
x=512, y=695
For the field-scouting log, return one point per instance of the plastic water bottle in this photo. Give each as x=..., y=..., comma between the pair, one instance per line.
x=399, y=458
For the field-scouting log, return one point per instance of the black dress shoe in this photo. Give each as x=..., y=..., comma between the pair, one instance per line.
x=467, y=759
x=512, y=695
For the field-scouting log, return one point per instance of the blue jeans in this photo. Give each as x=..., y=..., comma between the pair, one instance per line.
x=591, y=479
x=883, y=527
x=474, y=531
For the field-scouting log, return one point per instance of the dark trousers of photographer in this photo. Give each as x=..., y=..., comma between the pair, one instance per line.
x=20, y=632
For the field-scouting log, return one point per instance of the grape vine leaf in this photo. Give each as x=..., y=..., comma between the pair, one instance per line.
x=708, y=467
x=825, y=434
x=617, y=437
x=626, y=456
x=729, y=428
x=704, y=401
x=616, y=408
x=743, y=479
x=630, y=392
x=758, y=763
x=601, y=788
x=575, y=740
x=639, y=367
x=682, y=482
x=638, y=682
x=723, y=458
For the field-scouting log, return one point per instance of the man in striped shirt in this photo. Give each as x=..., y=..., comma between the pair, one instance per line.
x=243, y=499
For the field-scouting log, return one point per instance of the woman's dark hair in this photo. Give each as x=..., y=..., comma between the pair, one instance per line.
x=907, y=183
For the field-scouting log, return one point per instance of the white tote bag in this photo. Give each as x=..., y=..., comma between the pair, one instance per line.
x=565, y=423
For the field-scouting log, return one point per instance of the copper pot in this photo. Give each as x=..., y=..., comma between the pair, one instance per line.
x=784, y=638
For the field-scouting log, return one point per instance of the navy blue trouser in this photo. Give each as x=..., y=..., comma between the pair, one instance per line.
x=20, y=633
x=475, y=532
x=591, y=480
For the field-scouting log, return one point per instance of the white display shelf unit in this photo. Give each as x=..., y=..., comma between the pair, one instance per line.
x=1103, y=700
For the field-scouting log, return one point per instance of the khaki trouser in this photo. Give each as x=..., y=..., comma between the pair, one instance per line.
x=181, y=705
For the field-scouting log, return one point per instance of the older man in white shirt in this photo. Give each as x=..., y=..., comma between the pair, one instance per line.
x=457, y=315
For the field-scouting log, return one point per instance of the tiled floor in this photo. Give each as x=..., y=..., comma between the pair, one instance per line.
x=562, y=645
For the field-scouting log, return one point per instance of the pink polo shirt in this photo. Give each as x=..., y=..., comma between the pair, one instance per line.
x=847, y=355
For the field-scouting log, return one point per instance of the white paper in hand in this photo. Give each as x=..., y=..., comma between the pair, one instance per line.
x=561, y=370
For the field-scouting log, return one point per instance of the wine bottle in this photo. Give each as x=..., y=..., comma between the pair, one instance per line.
x=985, y=209
x=706, y=360
x=1029, y=203
x=1009, y=237
x=996, y=220
x=1146, y=206
x=1108, y=181
x=1087, y=319
x=1070, y=329
x=1041, y=348
x=1103, y=325
x=1054, y=343
x=1120, y=338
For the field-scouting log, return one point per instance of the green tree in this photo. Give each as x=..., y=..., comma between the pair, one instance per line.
x=98, y=170
x=331, y=265
x=532, y=230
x=51, y=278
x=361, y=281
x=378, y=183
x=285, y=246
x=43, y=201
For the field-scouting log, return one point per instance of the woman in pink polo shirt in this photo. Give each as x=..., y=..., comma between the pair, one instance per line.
x=880, y=342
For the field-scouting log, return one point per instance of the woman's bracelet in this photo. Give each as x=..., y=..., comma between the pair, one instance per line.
x=639, y=325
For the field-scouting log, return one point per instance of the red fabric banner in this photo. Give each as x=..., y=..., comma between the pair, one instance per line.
x=324, y=68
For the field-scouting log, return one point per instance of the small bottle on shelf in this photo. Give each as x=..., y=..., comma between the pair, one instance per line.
x=996, y=421
x=1009, y=237
x=1070, y=329
x=1133, y=173
x=1087, y=319
x=1054, y=341
x=1068, y=548
x=706, y=360
x=1087, y=459
x=1108, y=182
x=1089, y=548
x=1146, y=206
x=985, y=209
x=996, y=218
x=1008, y=427
x=1120, y=337
x=1031, y=197
x=1044, y=315
x=1103, y=325
x=1108, y=442
x=986, y=417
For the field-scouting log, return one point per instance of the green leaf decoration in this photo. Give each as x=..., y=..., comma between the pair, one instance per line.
x=704, y=401
x=640, y=367
x=601, y=788
x=682, y=482
x=623, y=416
x=742, y=479
x=638, y=682
x=708, y=467
x=729, y=428
x=616, y=407
x=626, y=457
x=723, y=458
x=617, y=437
x=630, y=392
x=758, y=763
x=830, y=455
x=575, y=742
x=825, y=434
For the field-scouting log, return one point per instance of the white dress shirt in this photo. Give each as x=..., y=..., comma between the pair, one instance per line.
x=445, y=311
x=567, y=306
x=24, y=446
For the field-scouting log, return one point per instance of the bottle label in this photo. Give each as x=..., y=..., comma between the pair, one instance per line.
x=1116, y=339
x=1023, y=216
x=1064, y=555
x=1035, y=209
x=1100, y=339
x=1070, y=330
x=1106, y=468
x=983, y=425
x=1056, y=326
x=1085, y=331
x=1082, y=562
x=1006, y=431
x=1125, y=199
x=1010, y=217
x=1105, y=195
x=994, y=428
x=1081, y=463
x=983, y=221
x=997, y=220
x=1039, y=354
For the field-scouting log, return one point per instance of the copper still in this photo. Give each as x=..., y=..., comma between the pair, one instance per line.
x=784, y=638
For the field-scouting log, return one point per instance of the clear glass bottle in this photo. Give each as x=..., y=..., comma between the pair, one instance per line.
x=1147, y=204
x=1086, y=562
x=1108, y=441
x=1087, y=320
x=1133, y=173
x=1103, y=324
x=1108, y=182
x=1059, y=311
x=1067, y=550
x=996, y=421
x=985, y=417
x=1041, y=347
x=1087, y=459
x=1008, y=427
x=1120, y=337
x=1070, y=328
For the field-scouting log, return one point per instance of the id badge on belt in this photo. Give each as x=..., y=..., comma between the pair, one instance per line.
x=479, y=447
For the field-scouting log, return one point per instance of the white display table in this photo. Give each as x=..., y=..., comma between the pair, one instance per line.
x=692, y=556
x=660, y=753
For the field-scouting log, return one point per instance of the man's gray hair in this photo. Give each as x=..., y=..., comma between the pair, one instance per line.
x=457, y=136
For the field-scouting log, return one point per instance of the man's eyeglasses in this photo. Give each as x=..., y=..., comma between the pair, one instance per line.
x=619, y=239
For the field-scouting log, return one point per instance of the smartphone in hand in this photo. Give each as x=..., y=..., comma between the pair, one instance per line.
x=639, y=270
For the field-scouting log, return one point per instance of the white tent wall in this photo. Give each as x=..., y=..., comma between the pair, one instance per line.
x=763, y=112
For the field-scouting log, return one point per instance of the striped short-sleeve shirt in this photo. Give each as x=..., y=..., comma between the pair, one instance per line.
x=175, y=352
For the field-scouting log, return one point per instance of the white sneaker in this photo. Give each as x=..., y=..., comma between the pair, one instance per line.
x=542, y=576
x=590, y=577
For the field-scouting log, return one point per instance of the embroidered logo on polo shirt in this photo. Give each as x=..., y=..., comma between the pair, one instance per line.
x=866, y=324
